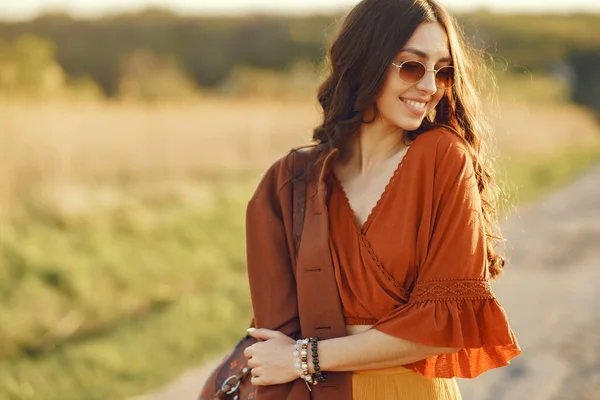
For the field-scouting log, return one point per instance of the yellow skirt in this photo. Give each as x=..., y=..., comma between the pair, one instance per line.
x=400, y=383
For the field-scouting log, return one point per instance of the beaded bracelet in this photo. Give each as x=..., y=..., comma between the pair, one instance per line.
x=304, y=360
x=297, y=361
x=301, y=362
x=318, y=376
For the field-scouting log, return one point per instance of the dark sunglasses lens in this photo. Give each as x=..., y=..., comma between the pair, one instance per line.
x=412, y=72
x=445, y=77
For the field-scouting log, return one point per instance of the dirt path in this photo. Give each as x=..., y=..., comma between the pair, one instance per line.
x=550, y=291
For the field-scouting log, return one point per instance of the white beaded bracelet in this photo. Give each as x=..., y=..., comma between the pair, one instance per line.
x=301, y=361
x=297, y=359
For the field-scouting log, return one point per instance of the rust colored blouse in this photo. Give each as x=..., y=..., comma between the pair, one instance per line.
x=417, y=268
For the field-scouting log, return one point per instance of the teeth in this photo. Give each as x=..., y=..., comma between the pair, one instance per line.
x=416, y=104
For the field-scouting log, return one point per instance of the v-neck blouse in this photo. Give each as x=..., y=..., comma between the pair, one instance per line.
x=372, y=214
x=417, y=269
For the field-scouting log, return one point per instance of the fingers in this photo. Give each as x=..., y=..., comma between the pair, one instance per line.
x=264, y=334
x=256, y=377
x=256, y=381
x=255, y=374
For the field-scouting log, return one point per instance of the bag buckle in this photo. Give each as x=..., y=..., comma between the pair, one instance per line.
x=225, y=388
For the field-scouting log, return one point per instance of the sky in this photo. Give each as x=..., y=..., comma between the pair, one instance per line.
x=26, y=9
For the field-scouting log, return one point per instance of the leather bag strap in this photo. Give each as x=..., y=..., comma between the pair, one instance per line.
x=300, y=160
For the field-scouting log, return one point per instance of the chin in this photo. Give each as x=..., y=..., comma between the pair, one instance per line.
x=409, y=125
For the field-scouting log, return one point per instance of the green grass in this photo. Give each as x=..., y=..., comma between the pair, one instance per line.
x=85, y=273
x=540, y=89
x=112, y=305
x=525, y=179
x=102, y=306
x=136, y=354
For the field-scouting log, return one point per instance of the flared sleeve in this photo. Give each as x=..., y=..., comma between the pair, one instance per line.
x=451, y=302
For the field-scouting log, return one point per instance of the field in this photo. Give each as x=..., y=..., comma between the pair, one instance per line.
x=122, y=243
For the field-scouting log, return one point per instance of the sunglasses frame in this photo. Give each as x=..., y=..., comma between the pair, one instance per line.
x=435, y=71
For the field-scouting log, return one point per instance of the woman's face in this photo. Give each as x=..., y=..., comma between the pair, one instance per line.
x=405, y=105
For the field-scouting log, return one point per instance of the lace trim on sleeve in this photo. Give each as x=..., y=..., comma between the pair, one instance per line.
x=452, y=290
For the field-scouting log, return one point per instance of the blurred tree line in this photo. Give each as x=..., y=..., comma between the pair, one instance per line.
x=147, y=53
x=28, y=68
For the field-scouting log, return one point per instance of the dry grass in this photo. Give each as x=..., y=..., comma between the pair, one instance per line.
x=530, y=129
x=53, y=150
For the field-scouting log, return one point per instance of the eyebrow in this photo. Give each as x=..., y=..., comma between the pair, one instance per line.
x=421, y=54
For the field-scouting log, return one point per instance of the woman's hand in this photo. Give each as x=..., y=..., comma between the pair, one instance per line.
x=271, y=359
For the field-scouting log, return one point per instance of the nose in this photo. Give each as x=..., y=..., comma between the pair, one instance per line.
x=427, y=84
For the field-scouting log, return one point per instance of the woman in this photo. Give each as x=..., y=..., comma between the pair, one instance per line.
x=397, y=249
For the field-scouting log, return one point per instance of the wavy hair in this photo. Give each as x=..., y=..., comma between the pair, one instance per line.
x=370, y=37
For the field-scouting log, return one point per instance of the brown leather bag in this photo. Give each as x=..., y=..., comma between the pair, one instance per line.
x=230, y=380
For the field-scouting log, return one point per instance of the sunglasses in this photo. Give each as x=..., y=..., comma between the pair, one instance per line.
x=413, y=71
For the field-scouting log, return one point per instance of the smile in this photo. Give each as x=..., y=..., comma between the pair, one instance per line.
x=416, y=104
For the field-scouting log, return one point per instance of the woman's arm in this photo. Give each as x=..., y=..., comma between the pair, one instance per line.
x=372, y=349
x=272, y=361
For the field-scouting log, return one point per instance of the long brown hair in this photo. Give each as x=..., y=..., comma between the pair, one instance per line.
x=369, y=39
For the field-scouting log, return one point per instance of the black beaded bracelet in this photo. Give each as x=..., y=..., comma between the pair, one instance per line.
x=318, y=376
